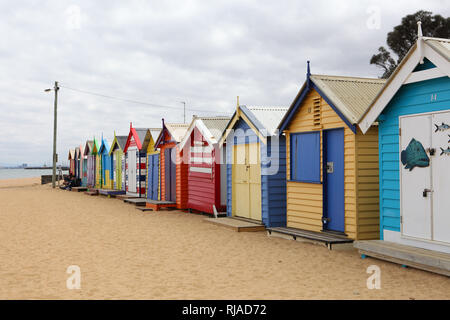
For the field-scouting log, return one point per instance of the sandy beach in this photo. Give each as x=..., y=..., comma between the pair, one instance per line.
x=124, y=253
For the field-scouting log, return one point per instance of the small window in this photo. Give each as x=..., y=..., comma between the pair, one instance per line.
x=305, y=157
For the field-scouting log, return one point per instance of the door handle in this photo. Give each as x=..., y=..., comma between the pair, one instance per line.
x=330, y=167
x=425, y=192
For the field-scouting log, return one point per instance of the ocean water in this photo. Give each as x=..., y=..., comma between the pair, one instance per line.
x=22, y=173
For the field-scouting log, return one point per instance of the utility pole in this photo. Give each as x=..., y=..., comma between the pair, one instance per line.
x=55, y=156
x=184, y=111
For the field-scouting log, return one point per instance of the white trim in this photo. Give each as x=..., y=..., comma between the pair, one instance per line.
x=400, y=77
x=203, y=130
x=424, y=75
x=205, y=149
x=389, y=92
x=200, y=169
x=201, y=160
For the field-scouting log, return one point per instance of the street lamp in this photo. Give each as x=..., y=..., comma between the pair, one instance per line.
x=184, y=110
x=55, y=156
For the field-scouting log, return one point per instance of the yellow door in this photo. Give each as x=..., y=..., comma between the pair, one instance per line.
x=246, y=177
x=98, y=175
x=254, y=168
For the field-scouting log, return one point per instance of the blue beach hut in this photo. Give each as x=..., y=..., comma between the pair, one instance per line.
x=256, y=165
x=413, y=113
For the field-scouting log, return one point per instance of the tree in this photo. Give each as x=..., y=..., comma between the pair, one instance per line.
x=404, y=36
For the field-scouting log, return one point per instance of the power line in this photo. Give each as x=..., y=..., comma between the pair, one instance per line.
x=135, y=101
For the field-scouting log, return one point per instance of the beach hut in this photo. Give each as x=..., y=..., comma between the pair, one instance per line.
x=136, y=161
x=332, y=167
x=71, y=158
x=206, y=178
x=91, y=167
x=153, y=164
x=118, y=161
x=77, y=162
x=98, y=165
x=174, y=172
x=413, y=113
x=105, y=164
x=256, y=165
x=86, y=151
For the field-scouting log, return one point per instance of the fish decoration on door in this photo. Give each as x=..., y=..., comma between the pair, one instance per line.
x=414, y=155
x=442, y=127
x=445, y=151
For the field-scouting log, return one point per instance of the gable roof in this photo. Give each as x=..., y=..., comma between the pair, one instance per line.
x=155, y=133
x=88, y=147
x=77, y=152
x=138, y=134
x=120, y=141
x=262, y=120
x=71, y=154
x=436, y=50
x=210, y=127
x=95, y=147
x=176, y=130
x=349, y=97
x=104, y=147
x=152, y=134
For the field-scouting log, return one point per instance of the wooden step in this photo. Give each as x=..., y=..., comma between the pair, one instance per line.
x=429, y=260
x=237, y=225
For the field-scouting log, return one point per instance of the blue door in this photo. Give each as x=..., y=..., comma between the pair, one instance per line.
x=334, y=206
x=153, y=176
x=170, y=179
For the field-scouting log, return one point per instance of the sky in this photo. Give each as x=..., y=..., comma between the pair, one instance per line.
x=205, y=53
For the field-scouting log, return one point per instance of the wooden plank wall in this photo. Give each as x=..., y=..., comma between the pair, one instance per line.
x=182, y=181
x=367, y=179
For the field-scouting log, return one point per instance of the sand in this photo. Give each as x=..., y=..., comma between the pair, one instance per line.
x=124, y=253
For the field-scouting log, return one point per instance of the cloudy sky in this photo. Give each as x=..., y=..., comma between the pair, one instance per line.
x=163, y=52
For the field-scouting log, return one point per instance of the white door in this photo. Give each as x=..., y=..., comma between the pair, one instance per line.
x=415, y=175
x=132, y=171
x=441, y=177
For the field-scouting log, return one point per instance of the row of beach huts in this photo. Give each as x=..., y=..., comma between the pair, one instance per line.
x=351, y=159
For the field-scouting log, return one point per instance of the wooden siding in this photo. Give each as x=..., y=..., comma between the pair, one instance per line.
x=273, y=185
x=367, y=184
x=151, y=150
x=98, y=171
x=181, y=174
x=203, y=188
x=182, y=181
x=413, y=98
x=305, y=200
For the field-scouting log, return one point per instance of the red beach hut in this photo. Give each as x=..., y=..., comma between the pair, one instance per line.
x=206, y=177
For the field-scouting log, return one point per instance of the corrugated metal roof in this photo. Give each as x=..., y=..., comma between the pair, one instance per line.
x=177, y=130
x=141, y=133
x=89, y=144
x=442, y=46
x=215, y=124
x=269, y=117
x=122, y=141
x=155, y=133
x=350, y=95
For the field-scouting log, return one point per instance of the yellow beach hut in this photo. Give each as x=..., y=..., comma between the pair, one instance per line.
x=118, y=161
x=332, y=167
